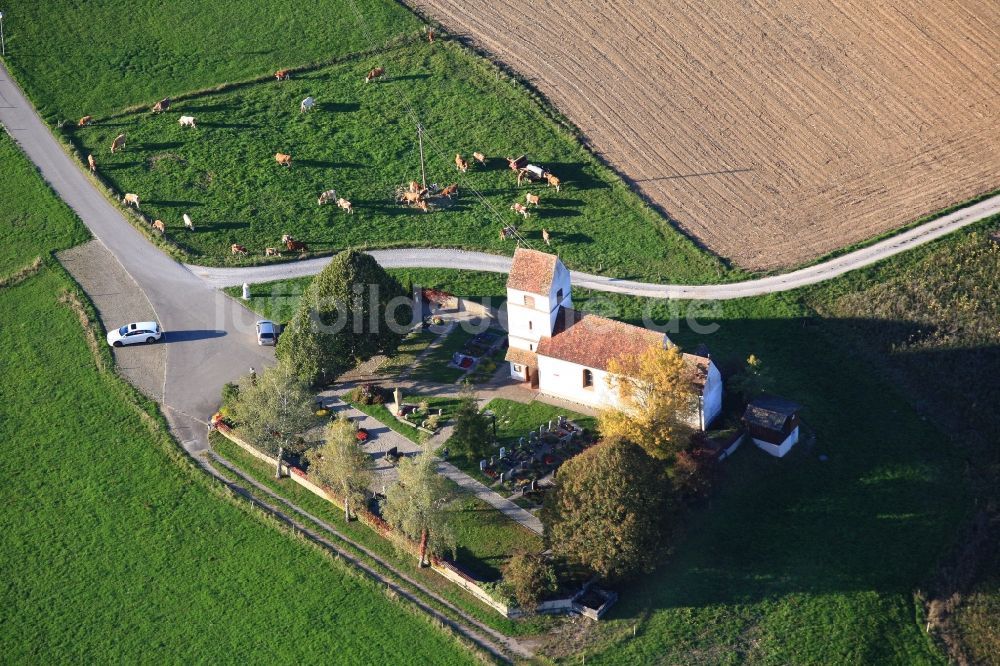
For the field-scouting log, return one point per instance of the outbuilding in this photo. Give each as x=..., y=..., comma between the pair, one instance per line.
x=773, y=424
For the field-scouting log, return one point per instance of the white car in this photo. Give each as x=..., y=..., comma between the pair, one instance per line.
x=135, y=333
x=267, y=332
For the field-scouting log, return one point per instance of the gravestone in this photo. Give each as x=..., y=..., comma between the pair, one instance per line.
x=503, y=452
x=398, y=396
x=520, y=443
x=482, y=465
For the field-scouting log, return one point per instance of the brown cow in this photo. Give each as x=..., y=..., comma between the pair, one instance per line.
x=450, y=191
x=296, y=246
x=462, y=165
x=131, y=200
x=271, y=252
x=414, y=186
x=552, y=180
x=159, y=226
x=161, y=106
x=531, y=199
x=546, y=237
x=118, y=144
x=282, y=75
x=411, y=197
x=345, y=204
x=376, y=73
x=424, y=206
x=86, y=120
x=430, y=35
x=92, y=163
x=520, y=209
x=283, y=159
x=236, y=248
x=479, y=157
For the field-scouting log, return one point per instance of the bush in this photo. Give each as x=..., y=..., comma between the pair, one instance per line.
x=230, y=393
x=530, y=578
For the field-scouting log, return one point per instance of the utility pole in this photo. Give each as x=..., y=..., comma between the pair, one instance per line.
x=420, y=138
x=3, y=46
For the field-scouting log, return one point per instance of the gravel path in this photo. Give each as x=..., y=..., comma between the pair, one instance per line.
x=480, y=261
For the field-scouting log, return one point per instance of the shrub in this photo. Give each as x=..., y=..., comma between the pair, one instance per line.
x=530, y=578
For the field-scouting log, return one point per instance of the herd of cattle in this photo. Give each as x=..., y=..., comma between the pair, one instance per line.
x=422, y=197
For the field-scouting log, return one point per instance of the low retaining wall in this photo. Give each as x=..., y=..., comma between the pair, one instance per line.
x=446, y=569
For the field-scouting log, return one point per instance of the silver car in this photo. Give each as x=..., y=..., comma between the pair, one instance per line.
x=267, y=332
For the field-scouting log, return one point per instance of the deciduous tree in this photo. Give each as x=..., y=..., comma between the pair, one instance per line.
x=416, y=505
x=752, y=380
x=656, y=397
x=273, y=410
x=343, y=465
x=530, y=576
x=608, y=509
x=472, y=435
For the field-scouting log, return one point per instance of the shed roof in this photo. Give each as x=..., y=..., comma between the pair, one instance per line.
x=532, y=271
x=770, y=412
x=521, y=357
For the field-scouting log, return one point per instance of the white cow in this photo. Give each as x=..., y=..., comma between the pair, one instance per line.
x=307, y=104
x=327, y=197
x=188, y=223
x=131, y=200
x=187, y=121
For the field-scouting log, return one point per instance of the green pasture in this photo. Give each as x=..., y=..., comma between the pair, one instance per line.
x=361, y=141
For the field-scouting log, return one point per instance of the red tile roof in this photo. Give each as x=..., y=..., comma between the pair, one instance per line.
x=522, y=357
x=532, y=271
x=591, y=341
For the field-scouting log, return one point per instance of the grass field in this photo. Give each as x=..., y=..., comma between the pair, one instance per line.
x=95, y=58
x=360, y=141
x=115, y=552
x=32, y=220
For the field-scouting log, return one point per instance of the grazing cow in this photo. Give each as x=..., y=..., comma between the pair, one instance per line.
x=159, y=226
x=430, y=35
x=479, y=157
x=86, y=120
x=546, y=237
x=410, y=198
x=92, y=164
x=162, y=105
x=461, y=164
x=285, y=238
x=376, y=73
x=282, y=75
x=414, y=186
x=236, y=248
x=508, y=232
x=307, y=104
x=450, y=191
x=296, y=246
x=345, y=204
x=521, y=209
x=188, y=224
x=552, y=180
x=271, y=251
x=327, y=197
x=118, y=144
x=531, y=199
x=187, y=121
x=131, y=200
x=283, y=159
x=424, y=206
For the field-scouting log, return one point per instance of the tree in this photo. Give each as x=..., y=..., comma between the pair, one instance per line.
x=416, y=505
x=753, y=379
x=694, y=473
x=656, y=398
x=471, y=436
x=273, y=410
x=608, y=509
x=343, y=465
x=348, y=314
x=531, y=577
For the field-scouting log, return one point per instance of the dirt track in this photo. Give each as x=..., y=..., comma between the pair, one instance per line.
x=774, y=132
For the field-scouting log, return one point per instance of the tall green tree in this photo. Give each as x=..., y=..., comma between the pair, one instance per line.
x=273, y=409
x=343, y=465
x=752, y=380
x=351, y=311
x=416, y=505
x=608, y=510
x=472, y=435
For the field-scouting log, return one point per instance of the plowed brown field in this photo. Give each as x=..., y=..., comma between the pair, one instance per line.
x=774, y=132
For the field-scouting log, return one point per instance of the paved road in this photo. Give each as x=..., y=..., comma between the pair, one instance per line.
x=209, y=336
x=480, y=261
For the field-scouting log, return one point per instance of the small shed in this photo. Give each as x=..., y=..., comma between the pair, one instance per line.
x=773, y=424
